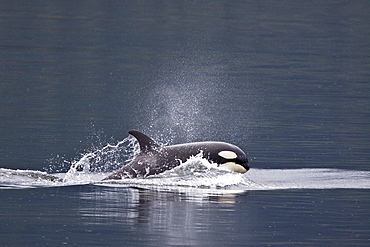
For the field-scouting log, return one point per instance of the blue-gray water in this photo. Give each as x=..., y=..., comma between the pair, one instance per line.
x=286, y=81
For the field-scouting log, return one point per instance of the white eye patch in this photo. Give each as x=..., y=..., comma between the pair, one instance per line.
x=228, y=154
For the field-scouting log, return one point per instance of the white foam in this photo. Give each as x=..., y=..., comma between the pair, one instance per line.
x=197, y=173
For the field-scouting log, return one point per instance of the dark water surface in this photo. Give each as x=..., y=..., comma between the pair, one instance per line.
x=98, y=216
x=287, y=81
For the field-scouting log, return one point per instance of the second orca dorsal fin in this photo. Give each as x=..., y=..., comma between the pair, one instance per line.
x=146, y=143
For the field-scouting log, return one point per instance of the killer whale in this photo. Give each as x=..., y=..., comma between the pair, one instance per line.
x=154, y=159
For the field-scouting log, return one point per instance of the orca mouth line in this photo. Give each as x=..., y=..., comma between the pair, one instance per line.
x=234, y=167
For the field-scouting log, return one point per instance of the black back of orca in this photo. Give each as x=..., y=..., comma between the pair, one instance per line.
x=154, y=159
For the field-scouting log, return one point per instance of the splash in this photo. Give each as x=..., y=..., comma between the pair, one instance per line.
x=102, y=160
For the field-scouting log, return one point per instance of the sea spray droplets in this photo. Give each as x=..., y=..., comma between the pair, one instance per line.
x=106, y=159
x=112, y=157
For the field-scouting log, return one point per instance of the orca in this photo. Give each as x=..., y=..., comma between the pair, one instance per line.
x=154, y=159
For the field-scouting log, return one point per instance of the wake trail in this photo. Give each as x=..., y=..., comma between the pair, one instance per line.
x=197, y=173
x=306, y=178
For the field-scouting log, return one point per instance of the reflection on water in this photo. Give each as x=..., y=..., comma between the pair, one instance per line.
x=102, y=216
x=178, y=217
x=140, y=202
x=263, y=217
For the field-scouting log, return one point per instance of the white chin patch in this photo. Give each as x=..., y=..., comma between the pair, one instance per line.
x=228, y=154
x=233, y=167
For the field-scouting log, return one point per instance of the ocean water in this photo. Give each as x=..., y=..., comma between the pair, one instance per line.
x=287, y=82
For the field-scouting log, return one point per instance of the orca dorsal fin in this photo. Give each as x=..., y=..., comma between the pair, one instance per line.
x=146, y=143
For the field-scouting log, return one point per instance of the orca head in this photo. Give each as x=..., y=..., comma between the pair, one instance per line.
x=232, y=158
